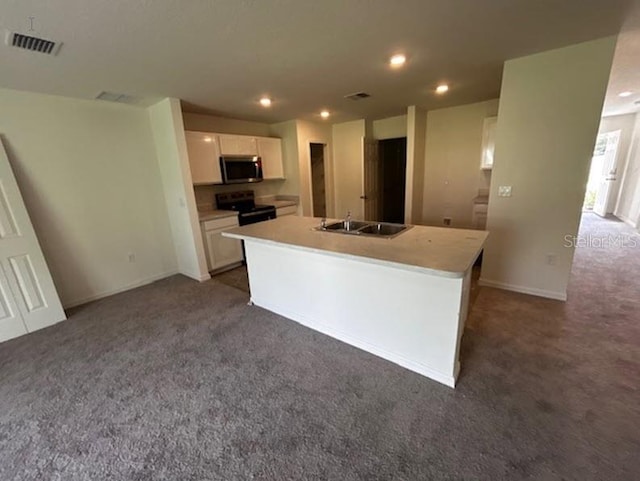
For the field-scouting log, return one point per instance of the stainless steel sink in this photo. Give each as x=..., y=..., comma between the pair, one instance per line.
x=365, y=228
x=347, y=225
x=383, y=229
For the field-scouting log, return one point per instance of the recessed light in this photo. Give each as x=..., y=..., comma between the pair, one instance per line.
x=625, y=94
x=208, y=139
x=325, y=114
x=397, y=60
x=265, y=102
x=440, y=89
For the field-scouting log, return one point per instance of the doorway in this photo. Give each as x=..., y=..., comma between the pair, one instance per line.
x=393, y=170
x=602, y=174
x=318, y=186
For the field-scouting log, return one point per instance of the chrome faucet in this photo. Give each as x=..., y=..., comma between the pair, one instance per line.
x=323, y=223
x=348, y=217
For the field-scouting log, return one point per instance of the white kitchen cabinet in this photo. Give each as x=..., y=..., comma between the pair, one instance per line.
x=221, y=251
x=204, y=157
x=270, y=151
x=287, y=210
x=238, y=145
x=488, y=142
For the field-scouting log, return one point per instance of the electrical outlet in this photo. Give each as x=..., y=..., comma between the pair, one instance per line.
x=132, y=257
x=552, y=259
x=504, y=191
x=446, y=221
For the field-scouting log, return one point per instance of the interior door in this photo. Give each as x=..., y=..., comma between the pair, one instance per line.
x=371, y=195
x=608, y=175
x=28, y=298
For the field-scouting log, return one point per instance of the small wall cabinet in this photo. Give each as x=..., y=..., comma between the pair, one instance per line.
x=488, y=142
x=270, y=151
x=221, y=252
x=238, y=145
x=204, y=154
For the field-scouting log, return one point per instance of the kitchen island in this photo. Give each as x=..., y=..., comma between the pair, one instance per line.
x=404, y=298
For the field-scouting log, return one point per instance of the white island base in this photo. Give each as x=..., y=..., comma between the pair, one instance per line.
x=408, y=317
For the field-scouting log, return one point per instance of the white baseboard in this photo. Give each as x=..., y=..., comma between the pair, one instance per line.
x=101, y=295
x=447, y=380
x=627, y=220
x=559, y=296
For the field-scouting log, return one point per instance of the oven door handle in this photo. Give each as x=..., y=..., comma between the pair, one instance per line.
x=252, y=214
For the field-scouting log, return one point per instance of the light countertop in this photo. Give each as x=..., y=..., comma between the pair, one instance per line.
x=205, y=215
x=481, y=199
x=436, y=250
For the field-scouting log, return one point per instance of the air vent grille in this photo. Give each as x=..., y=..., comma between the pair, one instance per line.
x=115, y=97
x=357, y=96
x=34, y=44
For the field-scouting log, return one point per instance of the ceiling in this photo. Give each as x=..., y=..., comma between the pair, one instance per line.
x=625, y=71
x=220, y=56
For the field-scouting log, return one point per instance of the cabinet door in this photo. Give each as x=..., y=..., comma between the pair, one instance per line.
x=238, y=145
x=270, y=150
x=222, y=251
x=204, y=157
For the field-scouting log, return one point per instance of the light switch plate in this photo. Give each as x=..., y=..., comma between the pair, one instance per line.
x=504, y=191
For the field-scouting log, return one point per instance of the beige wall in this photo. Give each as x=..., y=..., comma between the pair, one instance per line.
x=88, y=173
x=314, y=132
x=173, y=163
x=348, y=162
x=628, y=205
x=223, y=125
x=390, y=128
x=452, y=174
x=550, y=106
x=416, y=137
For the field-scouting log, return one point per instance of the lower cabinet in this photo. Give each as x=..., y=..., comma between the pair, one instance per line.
x=221, y=251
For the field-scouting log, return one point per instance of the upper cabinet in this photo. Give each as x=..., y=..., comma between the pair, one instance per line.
x=488, y=142
x=204, y=157
x=238, y=145
x=270, y=151
x=205, y=149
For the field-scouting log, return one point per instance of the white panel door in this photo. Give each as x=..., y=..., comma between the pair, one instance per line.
x=11, y=323
x=238, y=145
x=26, y=281
x=270, y=151
x=204, y=157
x=608, y=174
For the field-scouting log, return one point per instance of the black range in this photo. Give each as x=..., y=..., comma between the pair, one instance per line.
x=244, y=203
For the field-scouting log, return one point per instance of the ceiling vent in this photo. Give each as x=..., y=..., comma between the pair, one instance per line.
x=357, y=96
x=35, y=44
x=114, y=97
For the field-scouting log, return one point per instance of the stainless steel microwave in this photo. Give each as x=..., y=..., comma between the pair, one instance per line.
x=240, y=169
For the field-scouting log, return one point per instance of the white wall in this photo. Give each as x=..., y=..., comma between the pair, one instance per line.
x=416, y=137
x=452, y=174
x=173, y=164
x=390, y=128
x=628, y=205
x=623, y=123
x=88, y=174
x=348, y=165
x=550, y=106
x=320, y=133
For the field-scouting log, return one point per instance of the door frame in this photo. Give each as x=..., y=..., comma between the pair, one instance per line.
x=329, y=197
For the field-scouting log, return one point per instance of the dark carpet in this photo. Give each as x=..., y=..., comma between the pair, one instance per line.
x=183, y=381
